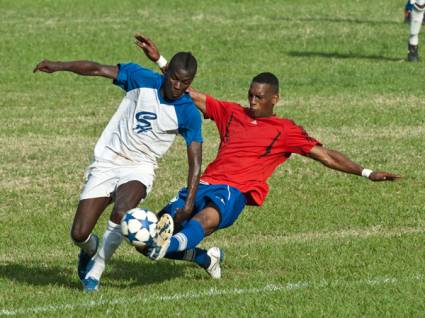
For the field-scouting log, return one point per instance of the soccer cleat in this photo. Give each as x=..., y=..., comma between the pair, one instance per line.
x=160, y=243
x=217, y=256
x=90, y=284
x=84, y=259
x=412, y=55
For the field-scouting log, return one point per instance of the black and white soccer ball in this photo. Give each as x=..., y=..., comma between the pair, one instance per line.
x=138, y=226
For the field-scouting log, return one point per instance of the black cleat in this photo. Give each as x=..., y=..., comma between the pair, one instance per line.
x=412, y=55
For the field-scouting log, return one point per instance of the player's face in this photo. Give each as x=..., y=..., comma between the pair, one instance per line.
x=176, y=83
x=262, y=99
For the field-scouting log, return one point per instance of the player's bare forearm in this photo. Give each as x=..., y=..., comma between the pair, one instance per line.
x=334, y=160
x=86, y=68
x=194, y=153
x=337, y=161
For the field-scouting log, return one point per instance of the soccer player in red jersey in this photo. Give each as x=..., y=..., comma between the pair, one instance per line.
x=253, y=142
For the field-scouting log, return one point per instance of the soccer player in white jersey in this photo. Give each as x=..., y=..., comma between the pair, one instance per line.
x=416, y=19
x=154, y=109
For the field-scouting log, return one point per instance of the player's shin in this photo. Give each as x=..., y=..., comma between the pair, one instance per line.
x=191, y=235
x=112, y=239
x=196, y=255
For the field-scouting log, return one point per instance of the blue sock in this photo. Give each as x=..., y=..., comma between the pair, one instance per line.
x=197, y=255
x=191, y=235
x=202, y=258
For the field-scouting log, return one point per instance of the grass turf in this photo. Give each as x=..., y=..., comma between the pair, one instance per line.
x=323, y=244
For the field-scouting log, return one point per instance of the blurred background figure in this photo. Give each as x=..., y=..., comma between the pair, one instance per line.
x=408, y=11
x=414, y=14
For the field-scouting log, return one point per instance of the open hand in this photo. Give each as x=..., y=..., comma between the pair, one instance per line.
x=150, y=49
x=383, y=176
x=46, y=66
x=183, y=214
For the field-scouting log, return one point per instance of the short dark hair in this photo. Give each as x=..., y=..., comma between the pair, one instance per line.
x=267, y=78
x=185, y=61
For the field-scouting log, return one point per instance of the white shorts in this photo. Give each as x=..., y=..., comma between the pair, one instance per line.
x=103, y=178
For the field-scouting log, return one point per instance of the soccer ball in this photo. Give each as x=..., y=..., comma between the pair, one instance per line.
x=138, y=226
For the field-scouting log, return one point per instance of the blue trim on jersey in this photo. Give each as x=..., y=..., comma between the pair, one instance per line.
x=229, y=200
x=190, y=122
x=131, y=76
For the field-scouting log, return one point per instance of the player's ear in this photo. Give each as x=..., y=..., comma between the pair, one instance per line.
x=275, y=99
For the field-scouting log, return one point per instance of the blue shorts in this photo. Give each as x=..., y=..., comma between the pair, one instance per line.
x=229, y=201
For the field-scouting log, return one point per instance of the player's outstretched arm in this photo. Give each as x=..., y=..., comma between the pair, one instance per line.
x=335, y=160
x=86, y=68
x=194, y=157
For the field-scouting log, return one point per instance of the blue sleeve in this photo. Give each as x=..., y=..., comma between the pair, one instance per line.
x=190, y=123
x=131, y=76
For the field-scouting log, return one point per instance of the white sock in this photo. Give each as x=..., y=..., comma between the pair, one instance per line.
x=88, y=246
x=112, y=238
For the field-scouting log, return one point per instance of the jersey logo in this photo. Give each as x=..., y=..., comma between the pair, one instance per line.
x=221, y=199
x=144, y=121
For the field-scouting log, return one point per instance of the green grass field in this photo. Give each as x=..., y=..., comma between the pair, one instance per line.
x=323, y=244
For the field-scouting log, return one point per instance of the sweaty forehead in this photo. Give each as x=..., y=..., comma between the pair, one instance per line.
x=181, y=74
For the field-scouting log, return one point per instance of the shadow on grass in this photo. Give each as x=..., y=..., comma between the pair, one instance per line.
x=38, y=275
x=344, y=56
x=119, y=273
x=145, y=272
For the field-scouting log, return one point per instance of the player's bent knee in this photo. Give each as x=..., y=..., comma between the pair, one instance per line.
x=209, y=220
x=79, y=235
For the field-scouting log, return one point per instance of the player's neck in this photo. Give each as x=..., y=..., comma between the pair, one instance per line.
x=163, y=97
x=260, y=115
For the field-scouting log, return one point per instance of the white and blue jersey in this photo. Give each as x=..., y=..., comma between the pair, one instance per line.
x=145, y=125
